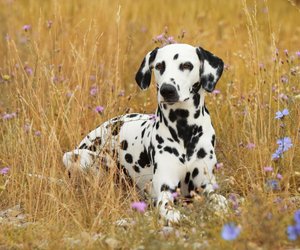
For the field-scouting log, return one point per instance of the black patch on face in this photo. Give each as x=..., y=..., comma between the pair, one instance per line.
x=203, y=186
x=201, y=153
x=83, y=146
x=144, y=159
x=161, y=67
x=187, y=178
x=136, y=168
x=172, y=80
x=128, y=158
x=175, y=57
x=191, y=186
x=124, y=145
x=213, y=139
x=195, y=172
x=115, y=127
x=186, y=66
x=178, y=114
x=159, y=139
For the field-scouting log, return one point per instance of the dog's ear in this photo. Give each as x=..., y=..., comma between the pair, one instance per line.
x=211, y=68
x=143, y=76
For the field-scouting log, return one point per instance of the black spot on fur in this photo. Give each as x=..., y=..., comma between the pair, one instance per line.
x=164, y=187
x=201, y=153
x=173, y=134
x=187, y=178
x=128, y=158
x=132, y=115
x=196, y=99
x=152, y=56
x=159, y=139
x=213, y=139
x=196, y=87
x=197, y=114
x=195, y=172
x=143, y=132
x=157, y=125
x=191, y=186
x=144, y=159
x=178, y=114
x=143, y=123
x=186, y=66
x=83, y=146
x=124, y=145
x=92, y=148
x=175, y=56
x=161, y=67
x=171, y=150
x=206, y=110
x=136, y=168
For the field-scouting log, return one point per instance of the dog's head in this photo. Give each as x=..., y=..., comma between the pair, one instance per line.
x=180, y=71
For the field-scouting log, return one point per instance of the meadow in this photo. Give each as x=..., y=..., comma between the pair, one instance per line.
x=67, y=66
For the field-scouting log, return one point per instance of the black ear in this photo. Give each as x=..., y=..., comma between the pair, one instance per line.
x=211, y=68
x=143, y=76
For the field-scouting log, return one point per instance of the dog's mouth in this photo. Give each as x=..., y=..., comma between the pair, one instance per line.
x=172, y=102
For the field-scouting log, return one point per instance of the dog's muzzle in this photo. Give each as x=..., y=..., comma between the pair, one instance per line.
x=169, y=93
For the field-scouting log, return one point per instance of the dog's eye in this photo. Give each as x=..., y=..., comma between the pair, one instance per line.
x=159, y=66
x=186, y=65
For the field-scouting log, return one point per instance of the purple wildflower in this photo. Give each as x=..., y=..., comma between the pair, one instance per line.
x=9, y=116
x=26, y=27
x=286, y=52
x=92, y=78
x=250, y=145
x=122, y=93
x=99, y=109
x=49, y=24
x=283, y=96
x=4, y=171
x=139, y=206
x=279, y=176
x=281, y=114
x=93, y=90
x=298, y=53
x=215, y=186
x=28, y=70
x=216, y=91
x=170, y=39
x=230, y=231
x=219, y=165
x=174, y=195
x=285, y=143
x=292, y=232
x=297, y=217
x=284, y=79
x=37, y=133
x=268, y=169
x=272, y=185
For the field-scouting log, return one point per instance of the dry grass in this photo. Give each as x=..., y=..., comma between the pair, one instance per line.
x=46, y=74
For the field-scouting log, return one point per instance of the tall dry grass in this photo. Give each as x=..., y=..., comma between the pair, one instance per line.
x=48, y=69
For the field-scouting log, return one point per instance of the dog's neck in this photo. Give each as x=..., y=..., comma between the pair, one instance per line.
x=192, y=109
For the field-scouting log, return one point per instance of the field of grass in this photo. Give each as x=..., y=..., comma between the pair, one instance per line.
x=62, y=59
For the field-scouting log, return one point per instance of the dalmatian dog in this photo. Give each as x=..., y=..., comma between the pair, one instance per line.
x=173, y=148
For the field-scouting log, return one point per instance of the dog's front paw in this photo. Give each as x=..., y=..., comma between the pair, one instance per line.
x=170, y=214
x=218, y=202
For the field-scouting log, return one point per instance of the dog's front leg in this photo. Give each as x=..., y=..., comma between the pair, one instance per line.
x=166, y=177
x=203, y=177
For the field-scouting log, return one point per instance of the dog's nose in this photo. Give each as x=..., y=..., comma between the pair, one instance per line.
x=169, y=93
